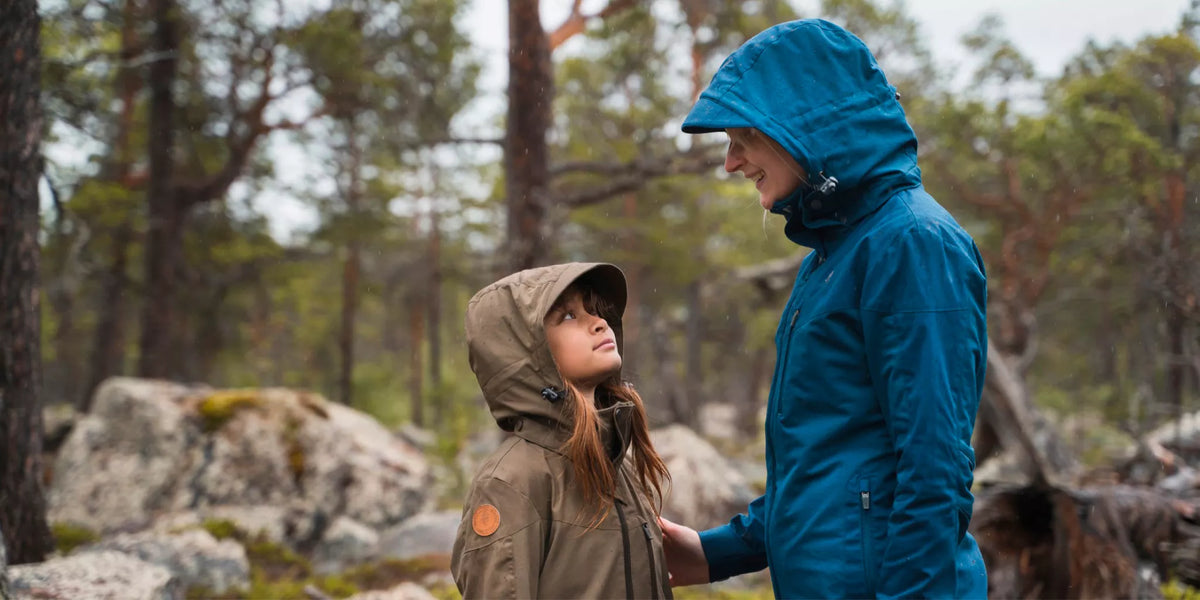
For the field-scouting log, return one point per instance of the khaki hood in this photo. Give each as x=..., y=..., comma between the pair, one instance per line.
x=506, y=341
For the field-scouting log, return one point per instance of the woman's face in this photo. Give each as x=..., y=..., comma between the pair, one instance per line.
x=775, y=173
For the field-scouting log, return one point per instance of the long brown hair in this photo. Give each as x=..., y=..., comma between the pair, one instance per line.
x=595, y=471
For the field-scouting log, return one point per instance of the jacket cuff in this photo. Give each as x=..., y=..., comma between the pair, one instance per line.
x=728, y=555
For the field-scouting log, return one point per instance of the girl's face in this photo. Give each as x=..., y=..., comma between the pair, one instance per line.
x=583, y=345
x=775, y=173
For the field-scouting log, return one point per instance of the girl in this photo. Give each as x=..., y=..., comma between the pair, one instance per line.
x=557, y=511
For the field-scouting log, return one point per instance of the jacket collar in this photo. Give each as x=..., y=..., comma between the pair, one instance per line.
x=616, y=426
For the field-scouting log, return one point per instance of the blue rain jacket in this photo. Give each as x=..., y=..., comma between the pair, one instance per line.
x=881, y=348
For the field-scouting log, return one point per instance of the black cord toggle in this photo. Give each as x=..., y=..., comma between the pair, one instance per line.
x=552, y=395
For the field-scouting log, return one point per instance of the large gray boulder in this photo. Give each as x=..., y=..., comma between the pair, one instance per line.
x=155, y=447
x=423, y=535
x=194, y=556
x=103, y=575
x=346, y=542
x=706, y=489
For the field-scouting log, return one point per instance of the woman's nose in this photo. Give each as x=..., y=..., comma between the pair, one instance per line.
x=733, y=159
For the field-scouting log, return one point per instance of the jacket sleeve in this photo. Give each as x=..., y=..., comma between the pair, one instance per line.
x=925, y=330
x=506, y=562
x=738, y=546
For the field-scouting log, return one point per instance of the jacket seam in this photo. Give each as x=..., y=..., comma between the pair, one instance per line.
x=491, y=474
x=501, y=538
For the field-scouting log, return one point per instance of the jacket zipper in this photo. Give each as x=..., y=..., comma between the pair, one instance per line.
x=787, y=349
x=653, y=568
x=868, y=542
x=625, y=545
x=776, y=390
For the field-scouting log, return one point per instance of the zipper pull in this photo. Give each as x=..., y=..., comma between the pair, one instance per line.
x=646, y=530
x=866, y=500
x=794, y=315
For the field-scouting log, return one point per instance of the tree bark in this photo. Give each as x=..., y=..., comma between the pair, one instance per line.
x=108, y=344
x=163, y=242
x=526, y=166
x=22, y=498
x=350, y=271
x=633, y=283
x=415, y=383
x=434, y=313
x=692, y=360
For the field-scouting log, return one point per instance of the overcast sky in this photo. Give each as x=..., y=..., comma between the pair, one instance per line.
x=1047, y=31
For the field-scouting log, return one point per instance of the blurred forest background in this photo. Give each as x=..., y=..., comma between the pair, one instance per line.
x=159, y=258
x=178, y=133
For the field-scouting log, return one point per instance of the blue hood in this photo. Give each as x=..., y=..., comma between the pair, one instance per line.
x=816, y=89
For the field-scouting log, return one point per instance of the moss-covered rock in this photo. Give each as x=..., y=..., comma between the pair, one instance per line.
x=219, y=407
x=69, y=536
x=222, y=529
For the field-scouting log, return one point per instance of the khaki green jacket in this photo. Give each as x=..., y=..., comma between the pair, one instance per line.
x=525, y=529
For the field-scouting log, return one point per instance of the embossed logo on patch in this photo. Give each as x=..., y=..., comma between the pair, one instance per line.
x=486, y=520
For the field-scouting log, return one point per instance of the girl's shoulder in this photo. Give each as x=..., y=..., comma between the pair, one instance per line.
x=522, y=465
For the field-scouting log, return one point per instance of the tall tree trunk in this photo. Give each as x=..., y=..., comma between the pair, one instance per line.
x=1175, y=261
x=158, y=344
x=350, y=276
x=526, y=169
x=633, y=283
x=108, y=344
x=434, y=312
x=22, y=498
x=61, y=296
x=415, y=384
x=760, y=372
x=352, y=266
x=694, y=378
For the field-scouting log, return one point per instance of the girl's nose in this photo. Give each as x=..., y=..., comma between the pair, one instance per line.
x=599, y=325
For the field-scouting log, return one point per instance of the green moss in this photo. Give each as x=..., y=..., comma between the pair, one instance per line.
x=199, y=592
x=1174, y=590
x=275, y=562
x=218, y=408
x=706, y=592
x=68, y=536
x=445, y=591
x=222, y=529
x=262, y=587
x=388, y=573
x=295, y=451
x=337, y=586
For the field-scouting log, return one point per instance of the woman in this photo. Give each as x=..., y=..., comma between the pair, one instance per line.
x=557, y=511
x=881, y=347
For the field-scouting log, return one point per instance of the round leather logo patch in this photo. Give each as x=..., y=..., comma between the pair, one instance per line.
x=486, y=520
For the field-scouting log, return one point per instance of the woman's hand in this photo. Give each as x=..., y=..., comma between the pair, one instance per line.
x=685, y=556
